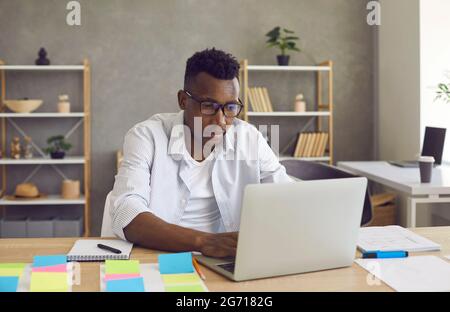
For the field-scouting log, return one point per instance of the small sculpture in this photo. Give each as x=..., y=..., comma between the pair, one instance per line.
x=28, y=148
x=15, y=148
x=42, y=59
x=300, y=104
x=63, y=104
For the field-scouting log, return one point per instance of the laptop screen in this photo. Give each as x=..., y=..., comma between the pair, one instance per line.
x=433, y=143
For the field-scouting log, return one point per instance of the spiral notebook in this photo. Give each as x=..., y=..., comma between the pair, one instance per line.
x=87, y=250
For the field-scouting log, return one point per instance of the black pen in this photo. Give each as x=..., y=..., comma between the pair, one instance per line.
x=114, y=250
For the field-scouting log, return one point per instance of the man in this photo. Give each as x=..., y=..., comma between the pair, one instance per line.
x=181, y=181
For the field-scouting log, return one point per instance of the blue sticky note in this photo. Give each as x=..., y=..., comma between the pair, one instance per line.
x=126, y=285
x=176, y=263
x=41, y=261
x=8, y=283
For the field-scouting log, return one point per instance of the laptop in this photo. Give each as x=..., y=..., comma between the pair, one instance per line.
x=433, y=145
x=293, y=228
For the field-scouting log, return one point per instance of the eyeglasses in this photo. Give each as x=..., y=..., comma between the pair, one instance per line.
x=210, y=108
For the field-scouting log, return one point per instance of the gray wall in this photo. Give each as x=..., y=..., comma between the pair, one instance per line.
x=138, y=51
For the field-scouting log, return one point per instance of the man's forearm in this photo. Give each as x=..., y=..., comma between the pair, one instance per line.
x=152, y=232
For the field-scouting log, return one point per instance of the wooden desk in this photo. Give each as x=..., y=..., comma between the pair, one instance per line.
x=346, y=279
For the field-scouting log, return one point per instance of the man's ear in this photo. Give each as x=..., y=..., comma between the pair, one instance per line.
x=182, y=99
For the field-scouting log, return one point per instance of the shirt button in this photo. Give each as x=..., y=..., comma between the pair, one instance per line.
x=183, y=201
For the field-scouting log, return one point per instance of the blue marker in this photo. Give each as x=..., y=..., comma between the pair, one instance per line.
x=384, y=254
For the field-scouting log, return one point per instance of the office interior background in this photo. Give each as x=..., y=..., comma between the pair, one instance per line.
x=384, y=85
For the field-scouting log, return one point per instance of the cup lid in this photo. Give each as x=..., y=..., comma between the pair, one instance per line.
x=426, y=158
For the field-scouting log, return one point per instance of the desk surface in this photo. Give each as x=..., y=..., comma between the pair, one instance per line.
x=345, y=279
x=406, y=180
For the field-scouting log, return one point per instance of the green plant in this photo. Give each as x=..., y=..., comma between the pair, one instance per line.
x=57, y=143
x=443, y=92
x=284, y=39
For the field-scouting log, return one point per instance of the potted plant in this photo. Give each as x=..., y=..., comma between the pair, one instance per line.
x=57, y=146
x=284, y=39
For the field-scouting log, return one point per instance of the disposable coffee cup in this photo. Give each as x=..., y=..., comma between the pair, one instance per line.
x=426, y=168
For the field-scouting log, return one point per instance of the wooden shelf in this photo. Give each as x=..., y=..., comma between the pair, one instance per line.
x=41, y=115
x=324, y=158
x=288, y=114
x=287, y=68
x=42, y=67
x=43, y=161
x=48, y=200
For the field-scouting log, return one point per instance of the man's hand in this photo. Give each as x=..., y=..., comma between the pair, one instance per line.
x=219, y=245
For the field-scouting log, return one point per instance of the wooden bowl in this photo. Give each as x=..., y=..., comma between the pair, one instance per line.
x=23, y=106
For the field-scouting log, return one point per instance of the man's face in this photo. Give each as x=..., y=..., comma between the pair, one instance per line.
x=207, y=88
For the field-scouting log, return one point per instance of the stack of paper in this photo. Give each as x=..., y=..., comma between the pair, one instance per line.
x=49, y=273
x=420, y=273
x=123, y=276
x=178, y=273
x=393, y=237
x=10, y=274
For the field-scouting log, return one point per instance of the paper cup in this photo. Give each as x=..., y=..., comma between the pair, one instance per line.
x=426, y=168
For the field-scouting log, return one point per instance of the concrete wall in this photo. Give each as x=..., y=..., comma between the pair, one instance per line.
x=138, y=51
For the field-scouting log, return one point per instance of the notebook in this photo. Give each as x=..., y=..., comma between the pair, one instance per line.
x=393, y=237
x=87, y=250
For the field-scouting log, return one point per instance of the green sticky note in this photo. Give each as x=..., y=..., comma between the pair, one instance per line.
x=12, y=269
x=122, y=266
x=185, y=288
x=49, y=281
x=190, y=278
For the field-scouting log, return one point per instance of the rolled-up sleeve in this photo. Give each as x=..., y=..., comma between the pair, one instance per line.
x=131, y=193
x=271, y=171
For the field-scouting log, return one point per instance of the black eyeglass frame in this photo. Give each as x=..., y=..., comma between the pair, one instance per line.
x=216, y=105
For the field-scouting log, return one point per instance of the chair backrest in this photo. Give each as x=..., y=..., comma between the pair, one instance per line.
x=107, y=230
x=308, y=170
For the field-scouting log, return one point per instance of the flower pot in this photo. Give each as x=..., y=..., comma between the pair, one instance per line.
x=283, y=60
x=57, y=155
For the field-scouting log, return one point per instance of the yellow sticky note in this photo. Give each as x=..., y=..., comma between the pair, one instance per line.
x=12, y=269
x=189, y=278
x=122, y=266
x=49, y=281
x=185, y=288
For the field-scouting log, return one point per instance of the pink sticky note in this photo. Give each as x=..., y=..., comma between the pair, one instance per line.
x=111, y=277
x=52, y=268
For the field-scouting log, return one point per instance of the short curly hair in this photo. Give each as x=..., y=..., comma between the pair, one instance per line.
x=217, y=63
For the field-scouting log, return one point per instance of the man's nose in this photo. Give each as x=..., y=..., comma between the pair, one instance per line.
x=220, y=118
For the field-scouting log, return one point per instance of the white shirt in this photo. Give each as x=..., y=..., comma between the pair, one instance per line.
x=152, y=177
x=202, y=212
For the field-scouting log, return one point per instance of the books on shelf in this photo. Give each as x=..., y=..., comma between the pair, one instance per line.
x=259, y=99
x=311, y=144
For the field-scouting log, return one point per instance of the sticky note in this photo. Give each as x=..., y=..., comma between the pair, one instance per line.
x=175, y=263
x=9, y=283
x=12, y=269
x=53, y=268
x=190, y=278
x=126, y=285
x=122, y=266
x=185, y=288
x=41, y=261
x=110, y=277
x=49, y=281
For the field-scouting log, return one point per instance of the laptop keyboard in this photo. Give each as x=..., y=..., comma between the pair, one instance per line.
x=227, y=266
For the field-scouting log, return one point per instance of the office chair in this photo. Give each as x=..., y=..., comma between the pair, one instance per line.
x=308, y=170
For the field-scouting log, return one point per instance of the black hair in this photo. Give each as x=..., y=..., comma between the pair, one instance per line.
x=217, y=63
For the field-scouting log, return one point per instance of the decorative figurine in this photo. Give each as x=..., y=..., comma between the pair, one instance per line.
x=42, y=59
x=300, y=104
x=63, y=104
x=28, y=148
x=15, y=148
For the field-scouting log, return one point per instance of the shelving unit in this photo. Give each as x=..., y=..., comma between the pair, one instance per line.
x=323, y=110
x=84, y=160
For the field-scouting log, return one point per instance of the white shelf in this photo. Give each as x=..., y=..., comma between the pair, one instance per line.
x=325, y=158
x=43, y=161
x=40, y=115
x=287, y=68
x=287, y=114
x=42, y=67
x=48, y=200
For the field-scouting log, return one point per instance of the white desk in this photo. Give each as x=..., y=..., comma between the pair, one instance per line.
x=405, y=180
